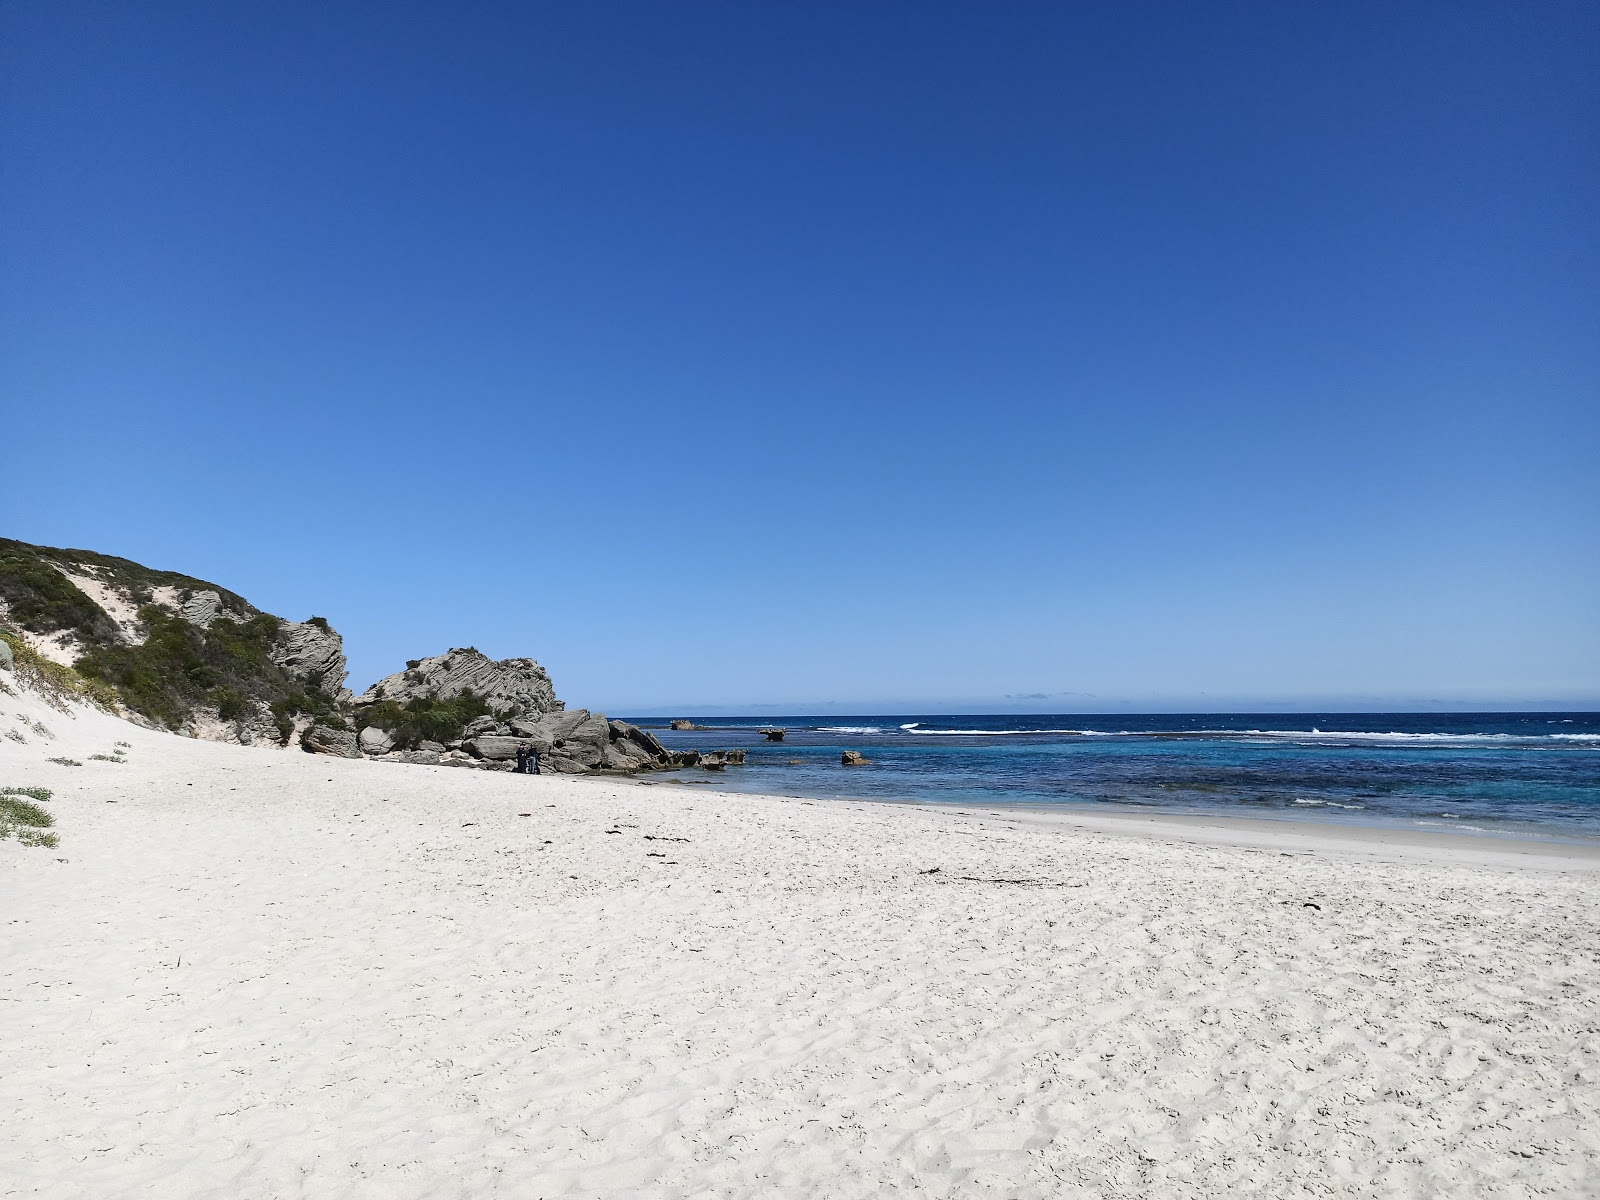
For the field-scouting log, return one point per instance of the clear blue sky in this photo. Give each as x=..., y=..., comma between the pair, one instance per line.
x=1063, y=356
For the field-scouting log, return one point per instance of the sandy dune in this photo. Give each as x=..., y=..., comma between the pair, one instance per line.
x=257, y=974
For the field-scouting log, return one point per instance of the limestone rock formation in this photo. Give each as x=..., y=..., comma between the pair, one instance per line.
x=373, y=740
x=853, y=758
x=201, y=608
x=314, y=654
x=321, y=739
x=511, y=687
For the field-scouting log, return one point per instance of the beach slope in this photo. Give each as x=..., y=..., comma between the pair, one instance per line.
x=249, y=974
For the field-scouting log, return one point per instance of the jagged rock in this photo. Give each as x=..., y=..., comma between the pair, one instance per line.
x=479, y=725
x=201, y=608
x=7, y=659
x=774, y=735
x=637, y=743
x=683, y=758
x=494, y=748
x=314, y=654
x=419, y=757
x=512, y=686
x=319, y=739
x=433, y=747
x=375, y=741
x=569, y=742
x=853, y=758
x=682, y=724
x=613, y=758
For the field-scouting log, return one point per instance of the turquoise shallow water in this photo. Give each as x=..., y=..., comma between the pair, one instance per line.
x=1526, y=774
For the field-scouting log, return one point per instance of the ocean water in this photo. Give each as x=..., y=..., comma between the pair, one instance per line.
x=1523, y=774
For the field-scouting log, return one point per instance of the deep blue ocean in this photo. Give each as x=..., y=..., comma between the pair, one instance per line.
x=1524, y=774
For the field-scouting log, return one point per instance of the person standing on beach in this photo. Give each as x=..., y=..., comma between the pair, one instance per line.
x=522, y=759
x=533, y=759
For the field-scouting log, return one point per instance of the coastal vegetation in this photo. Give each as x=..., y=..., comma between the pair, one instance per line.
x=180, y=665
x=42, y=599
x=181, y=646
x=25, y=820
x=424, y=718
x=32, y=793
x=56, y=682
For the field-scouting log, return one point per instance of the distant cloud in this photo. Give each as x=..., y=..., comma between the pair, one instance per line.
x=1047, y=695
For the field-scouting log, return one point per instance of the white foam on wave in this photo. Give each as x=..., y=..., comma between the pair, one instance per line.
x=915, y=727
x=1380, y=738
x=848, y=729
x=1313, y=734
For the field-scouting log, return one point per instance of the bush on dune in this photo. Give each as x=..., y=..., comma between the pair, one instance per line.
x=25, y=821
x=56, y=682
x=227, y=667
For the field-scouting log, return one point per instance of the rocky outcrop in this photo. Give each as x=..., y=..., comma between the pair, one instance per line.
x=314, y=654
x=680, y=723
x=201, y=608
x=373, y=740
x=853, y=758
x=574, y=743
x=511, y=686
x=260, y=680
x=494, y=747
x=321, y=739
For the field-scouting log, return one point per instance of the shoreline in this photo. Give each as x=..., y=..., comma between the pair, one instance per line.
x=1372, y=837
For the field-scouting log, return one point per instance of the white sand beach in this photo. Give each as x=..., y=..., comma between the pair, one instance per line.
x=247, y=973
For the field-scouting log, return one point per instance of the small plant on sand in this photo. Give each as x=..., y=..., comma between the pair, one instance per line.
x=106, y=758
x=33, y=793
x=123, y=745
x=65, y=762
x=26, y=822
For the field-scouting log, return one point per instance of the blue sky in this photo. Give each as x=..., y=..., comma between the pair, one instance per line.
x=1066, y=357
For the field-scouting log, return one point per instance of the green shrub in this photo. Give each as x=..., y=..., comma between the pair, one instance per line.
x=65, y=762
x=424, y=718
x=106, y=758
x=230, y=702
x=34, y=793
x=26, y=822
